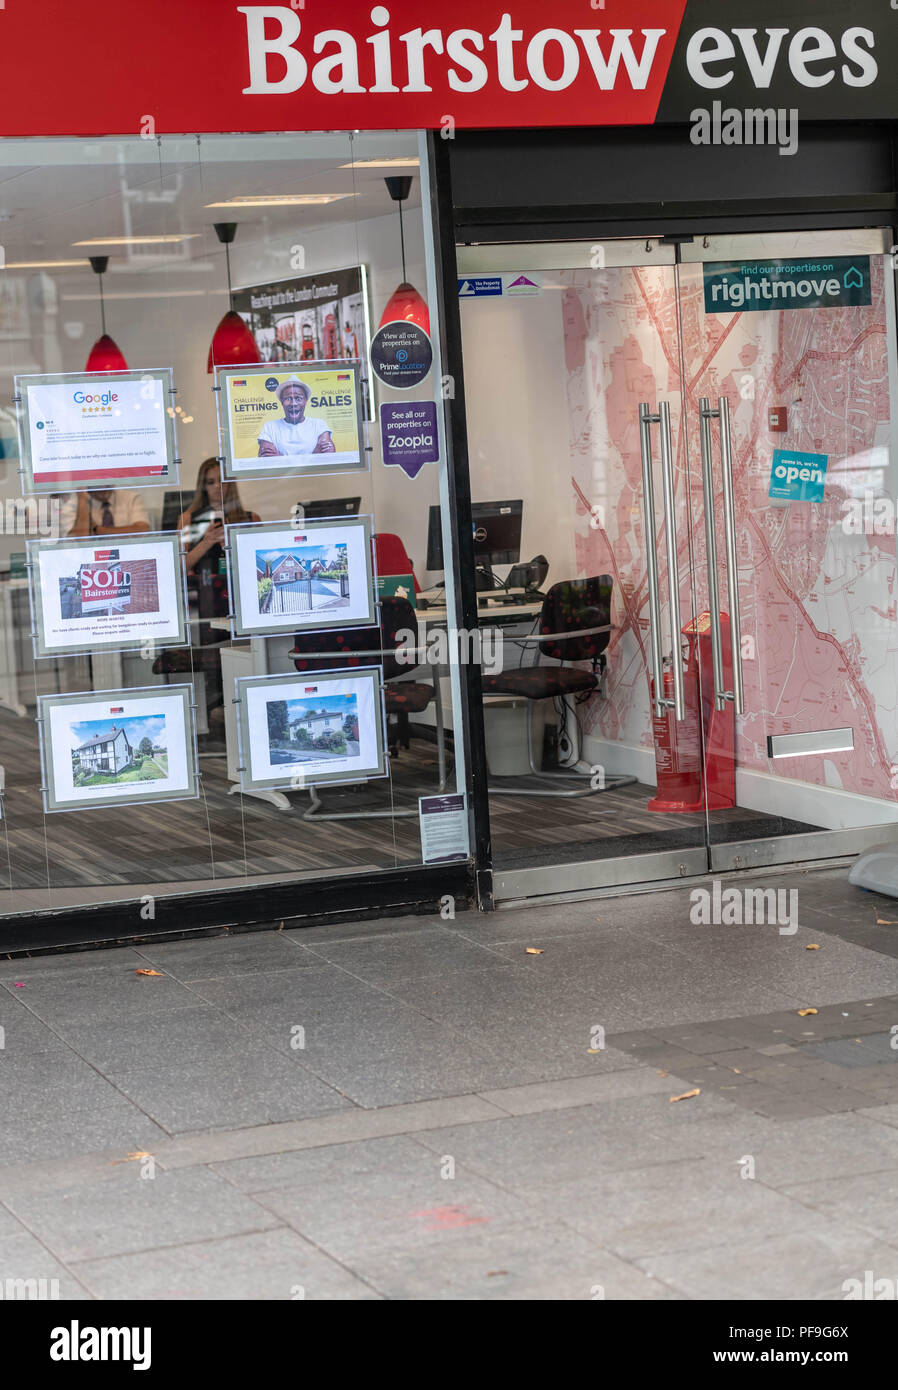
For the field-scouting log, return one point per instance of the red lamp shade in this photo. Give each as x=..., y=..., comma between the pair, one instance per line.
x=232, y=343
x=105, y=356
x=406, y=303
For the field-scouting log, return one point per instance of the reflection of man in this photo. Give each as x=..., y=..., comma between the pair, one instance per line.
x=297, y=433
x=103, y=513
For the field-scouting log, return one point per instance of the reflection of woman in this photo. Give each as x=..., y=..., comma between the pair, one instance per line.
x=217, y=503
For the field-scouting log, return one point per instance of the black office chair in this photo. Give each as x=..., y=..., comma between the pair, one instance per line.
x=403, y=696
x=574, y=625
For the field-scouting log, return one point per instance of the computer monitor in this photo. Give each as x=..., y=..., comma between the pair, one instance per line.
x=333, y=506
x=172, y=508
x=497, y=534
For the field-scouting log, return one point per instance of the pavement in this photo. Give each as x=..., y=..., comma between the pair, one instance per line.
x=600, y=1099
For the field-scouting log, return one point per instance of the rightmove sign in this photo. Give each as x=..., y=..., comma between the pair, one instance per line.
x=758, y=286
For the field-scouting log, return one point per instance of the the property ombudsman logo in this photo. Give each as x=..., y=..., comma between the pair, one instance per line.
x=77, y=1343
x=738, y=907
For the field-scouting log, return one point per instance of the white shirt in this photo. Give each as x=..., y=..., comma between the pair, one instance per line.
x=294, y=439
x=127, y=510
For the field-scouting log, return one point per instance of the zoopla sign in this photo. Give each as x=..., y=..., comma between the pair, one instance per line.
x=408, y=431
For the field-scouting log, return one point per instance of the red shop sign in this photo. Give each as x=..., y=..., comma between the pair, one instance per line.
x=184, y=66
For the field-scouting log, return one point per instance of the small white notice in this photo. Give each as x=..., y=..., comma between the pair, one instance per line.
x=444, y=828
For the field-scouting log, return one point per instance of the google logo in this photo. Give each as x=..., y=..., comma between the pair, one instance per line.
x=106, y=399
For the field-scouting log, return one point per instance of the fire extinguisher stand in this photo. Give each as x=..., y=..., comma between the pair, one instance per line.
x=695, y=756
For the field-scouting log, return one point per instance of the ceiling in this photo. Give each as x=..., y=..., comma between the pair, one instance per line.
x=57, y=192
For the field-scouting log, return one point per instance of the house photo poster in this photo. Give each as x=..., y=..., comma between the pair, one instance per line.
x=107, y=430
x=291, y=420
x=295, y=575
x=116, y=593
x=311, y=729
x=118, y=747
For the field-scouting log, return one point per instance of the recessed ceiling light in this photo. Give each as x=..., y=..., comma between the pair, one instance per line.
x=41, y=265
x=280, y=200
x=136, y=240
x=396, y=162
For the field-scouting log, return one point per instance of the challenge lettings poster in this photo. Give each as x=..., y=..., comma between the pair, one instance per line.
x=301, y=419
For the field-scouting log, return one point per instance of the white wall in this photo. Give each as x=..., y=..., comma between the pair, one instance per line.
x=518, y=422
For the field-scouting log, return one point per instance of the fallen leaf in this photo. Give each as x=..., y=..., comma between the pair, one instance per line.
x=687, y=1095
x=664, y=1073
x=147, y=972
x=133, y=1157
x=534, y=951
x=494, y=1273
x=737, y=1071
x=803, y=1013
x=593, y=1051
x=886, y=921
x=812, y=947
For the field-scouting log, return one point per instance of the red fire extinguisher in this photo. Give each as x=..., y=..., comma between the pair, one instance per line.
x=678, y=757
x=330, y=337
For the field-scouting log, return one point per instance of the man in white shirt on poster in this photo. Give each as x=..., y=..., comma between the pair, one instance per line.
x=297, y=433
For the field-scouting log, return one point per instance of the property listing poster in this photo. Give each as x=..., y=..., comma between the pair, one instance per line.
x=112, y=430
x=118, y=747
x=295, y=575
x=112, y=592
x=311, y=318
x=317, y=727
x=300, y=420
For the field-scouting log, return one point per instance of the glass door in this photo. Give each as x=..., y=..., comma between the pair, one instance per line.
x=573, y=361
x=708, y=425
x=789, y=372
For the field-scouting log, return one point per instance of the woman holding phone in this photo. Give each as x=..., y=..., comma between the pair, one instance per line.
x=215, y=504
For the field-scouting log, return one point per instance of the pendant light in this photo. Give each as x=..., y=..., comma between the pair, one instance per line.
x=105, y=355
x=232, y=342
x=405, y=302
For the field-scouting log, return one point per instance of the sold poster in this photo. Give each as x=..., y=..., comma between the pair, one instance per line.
x=114, y=593
x=303, y=418
x=109, y=430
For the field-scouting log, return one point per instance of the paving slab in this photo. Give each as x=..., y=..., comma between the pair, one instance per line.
x=131, y=1212
x=799, y=1266
x=275, y=1265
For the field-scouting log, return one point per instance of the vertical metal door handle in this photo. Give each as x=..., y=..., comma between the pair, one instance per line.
x=651, y=558
x=673, y=569
x=646, y=420
x=729, y=524
x=648, y=506
x=706, y=414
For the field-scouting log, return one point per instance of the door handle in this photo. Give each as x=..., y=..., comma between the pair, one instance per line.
x=706, y=415
x=646, y=419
